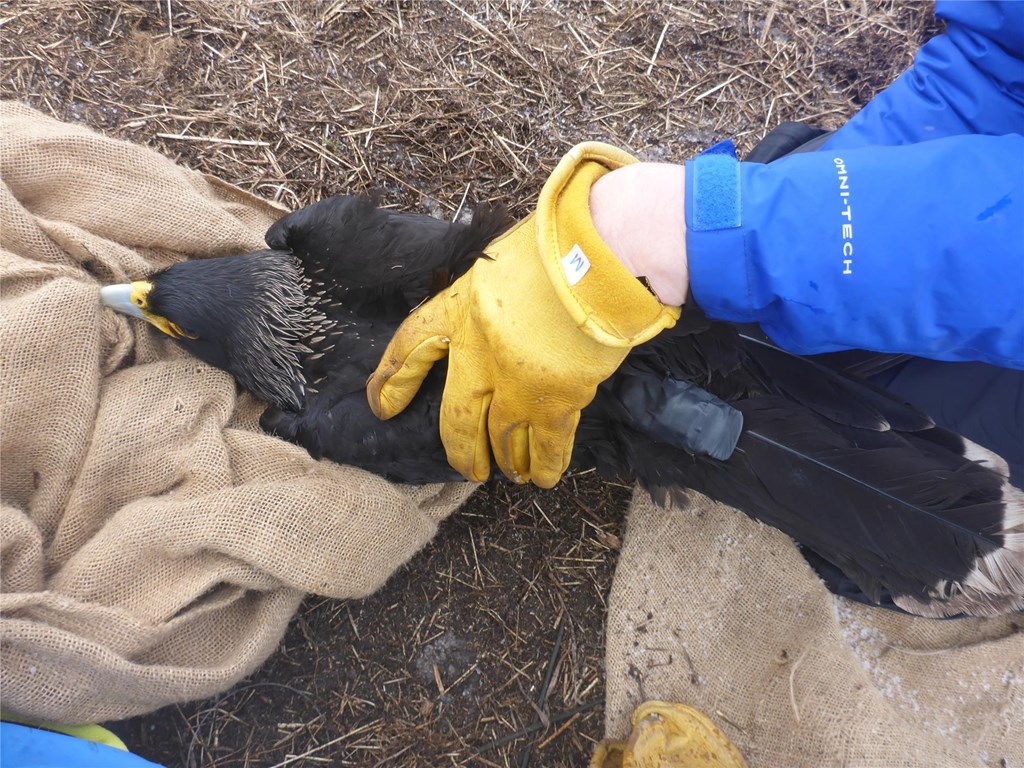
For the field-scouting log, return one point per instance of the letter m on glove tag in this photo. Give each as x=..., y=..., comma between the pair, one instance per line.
x=575, y=264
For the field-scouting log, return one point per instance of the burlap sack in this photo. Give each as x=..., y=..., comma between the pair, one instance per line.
x=712, y=609
x=154, y=544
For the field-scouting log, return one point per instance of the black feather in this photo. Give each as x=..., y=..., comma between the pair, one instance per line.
x=374, y=259
x=212, y=301
x=831, y=394
x=375, y=265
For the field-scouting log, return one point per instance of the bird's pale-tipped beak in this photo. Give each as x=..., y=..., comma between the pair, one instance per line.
x=119, y=297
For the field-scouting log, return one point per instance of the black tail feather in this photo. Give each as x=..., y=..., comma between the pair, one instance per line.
x=940, y=533
x=853, y=473
x=837, y=397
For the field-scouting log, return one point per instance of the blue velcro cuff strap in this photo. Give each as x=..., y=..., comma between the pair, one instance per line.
x=715, y=190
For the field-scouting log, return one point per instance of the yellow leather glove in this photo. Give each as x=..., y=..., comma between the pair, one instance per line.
x=669, y=735
x=529, y=333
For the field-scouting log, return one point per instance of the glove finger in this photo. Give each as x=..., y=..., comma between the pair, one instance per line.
x=416, y=346
x=526, y=451
x=510, y=440
x=464, y=433
x=551, y=450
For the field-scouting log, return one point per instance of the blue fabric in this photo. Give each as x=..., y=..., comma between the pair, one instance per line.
x=25, y=747
x=905, y=232
x=724, y=147
x=969, y=80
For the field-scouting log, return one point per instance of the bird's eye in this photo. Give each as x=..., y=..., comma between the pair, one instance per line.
x=137, y=301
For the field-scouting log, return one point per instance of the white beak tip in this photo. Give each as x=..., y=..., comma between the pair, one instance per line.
x=119, y=298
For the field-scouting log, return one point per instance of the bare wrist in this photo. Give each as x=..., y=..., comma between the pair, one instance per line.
x=638, y=210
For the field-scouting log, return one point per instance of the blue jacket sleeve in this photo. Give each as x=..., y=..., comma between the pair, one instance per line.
x=916, y=249
x=969, y=80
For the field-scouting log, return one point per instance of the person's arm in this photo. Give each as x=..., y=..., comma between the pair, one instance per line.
x=969, y=80
x=925, y=208
x=916, y=249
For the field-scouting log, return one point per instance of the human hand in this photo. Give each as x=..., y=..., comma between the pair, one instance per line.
x=530, y=333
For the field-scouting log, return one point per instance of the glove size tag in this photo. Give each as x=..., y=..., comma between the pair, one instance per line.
x=575, y=264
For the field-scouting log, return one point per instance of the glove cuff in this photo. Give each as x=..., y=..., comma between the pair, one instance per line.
x=599, y=293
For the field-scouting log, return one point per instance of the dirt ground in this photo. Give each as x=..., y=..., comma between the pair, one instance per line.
x=487, y=648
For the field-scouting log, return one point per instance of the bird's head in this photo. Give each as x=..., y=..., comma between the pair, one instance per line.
x=248, y=315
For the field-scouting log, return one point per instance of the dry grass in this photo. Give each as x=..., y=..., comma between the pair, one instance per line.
x=297, y=100
x=435, y=104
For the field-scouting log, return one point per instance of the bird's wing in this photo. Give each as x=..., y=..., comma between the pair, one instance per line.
x=361, y=255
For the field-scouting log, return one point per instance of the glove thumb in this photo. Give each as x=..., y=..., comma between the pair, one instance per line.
x=419, y=343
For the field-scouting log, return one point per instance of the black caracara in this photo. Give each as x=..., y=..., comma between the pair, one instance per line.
x=867, y=484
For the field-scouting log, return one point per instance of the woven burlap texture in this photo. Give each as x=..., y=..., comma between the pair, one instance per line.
x=712, y=609
x=154, y=543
